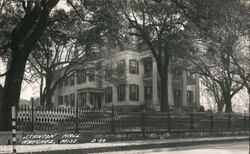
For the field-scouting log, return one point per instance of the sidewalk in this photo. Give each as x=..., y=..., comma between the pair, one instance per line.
x=116, y=146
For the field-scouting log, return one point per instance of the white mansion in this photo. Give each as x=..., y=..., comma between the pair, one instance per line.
x=131, y=80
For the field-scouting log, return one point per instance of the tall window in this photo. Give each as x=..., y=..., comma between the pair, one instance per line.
x=133, y=67
x=108, y=94
x=190, y=76
x=60, y=84
x=72, y=79
x=81, y=97
x=147, y=66
x=66, y=100
x=177, y=74
x=121, y=67
x=121, y=92
x=108, y=70
x=177, y=97
x=134, y=92
x=66, y=81
x=60, y=100
x=81, y=77
x=190, y=96
x=148, y=92
x=91, y=74
x=99, y=83
x=72, y=99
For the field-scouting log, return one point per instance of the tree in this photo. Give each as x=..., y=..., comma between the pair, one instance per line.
x=213, y=89
x=214, y=62
x=241, y=60
x=72, y=35
x=161, y=28
x=47, y=58
x=23, y=38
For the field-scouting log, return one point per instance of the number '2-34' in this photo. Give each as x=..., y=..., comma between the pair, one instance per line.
x=98, y=140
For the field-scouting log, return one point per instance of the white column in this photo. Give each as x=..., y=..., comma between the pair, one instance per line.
x=197, y=91
x=154, y=83
x=87, y=97
x=184, y=88
x=170, y=89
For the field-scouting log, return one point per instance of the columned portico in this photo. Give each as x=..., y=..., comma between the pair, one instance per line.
x=90, y=98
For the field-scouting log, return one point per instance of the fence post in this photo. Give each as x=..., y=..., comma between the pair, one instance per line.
x=229, y=121
x=76, y=129
x=13, y=116
x=211, y=121
x=142, y=122
x=112, y=119
x=191, y=121
x=32, y=114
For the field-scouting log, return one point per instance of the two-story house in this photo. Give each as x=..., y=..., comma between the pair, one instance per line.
x=131, y=79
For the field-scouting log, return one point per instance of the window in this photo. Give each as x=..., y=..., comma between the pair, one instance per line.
x=108, y=94
x=81, y=97
x=190, y=96
x=177, y=97
x=99, y=83
x=133, y=67
x=148, y=92
x=134, y=92
x=72, y=79
x=191, y=76
x=108, y=70
x=66, y=100
x=66, y=81
x=177, y=74
x=148, y=67
x=60, y=84
x=121, y=92
x=121, y=67
x=81, y=77
x=60, y=100
x=91, y=74
x=72, y=100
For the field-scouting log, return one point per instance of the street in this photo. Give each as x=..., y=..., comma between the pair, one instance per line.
x=225, y=148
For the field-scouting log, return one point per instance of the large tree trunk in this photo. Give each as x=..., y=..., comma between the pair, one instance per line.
x=162, y=66
x=164, y=90
x=228, y=103
x=163, y=71
x=48, y=90
x=41, y=93
x=23, y=38
x=48, y=98
x=12, y=87
x=164, y=94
